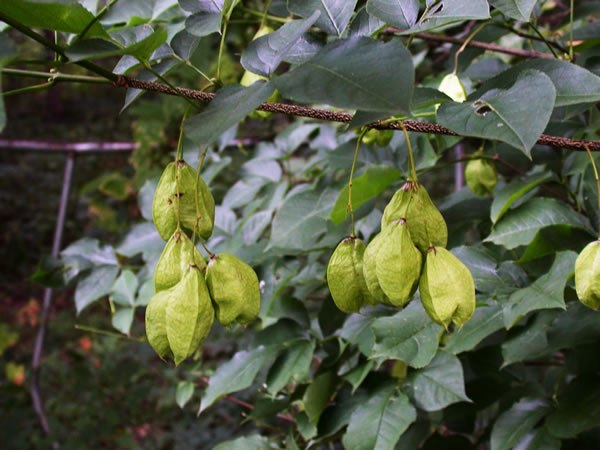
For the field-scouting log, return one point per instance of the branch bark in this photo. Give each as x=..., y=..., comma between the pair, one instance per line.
x=484, y=45
x=343, y=117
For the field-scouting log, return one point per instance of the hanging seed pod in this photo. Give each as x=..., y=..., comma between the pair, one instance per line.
x=425, y=222
x=163, y=203
x=174, y=261
x=156, y=323
x=189, y=315
x=447, y=288
x=453, y=88
x=587, y=275
x=201, y=213
x=176, y=192
x=234, y=289
x=379, y=137
x=481, y=176
x=345, y=276
x=369, y=266
x=398, y=264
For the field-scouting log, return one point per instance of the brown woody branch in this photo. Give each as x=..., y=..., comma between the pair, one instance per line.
x=343, y=117
x=484, y=45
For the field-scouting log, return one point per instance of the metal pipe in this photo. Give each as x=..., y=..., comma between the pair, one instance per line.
x=36, y=397
x=459, y=168
x=68, y=147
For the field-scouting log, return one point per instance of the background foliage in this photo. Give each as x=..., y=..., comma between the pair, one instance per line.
x=523, y=373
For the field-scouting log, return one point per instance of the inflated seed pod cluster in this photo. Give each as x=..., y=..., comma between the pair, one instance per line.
x=191, y=292
x=409, y=252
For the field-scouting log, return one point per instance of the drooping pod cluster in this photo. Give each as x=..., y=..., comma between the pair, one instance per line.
x=409, y=252
x=189, y=292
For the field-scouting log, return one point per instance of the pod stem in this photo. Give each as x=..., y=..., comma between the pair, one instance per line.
x=210, y=254
x=597, y=178
x=201, y=159
x=464, y=46
x=349, y=208
x=179, y=157
x=411, y=158
x=265, y=13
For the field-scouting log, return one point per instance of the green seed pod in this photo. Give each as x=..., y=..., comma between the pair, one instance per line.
x=425, y=222
x=189, y=315
x=453, y=88
x=369, y=137
x=163, y=203
x=587, y=275
x=447, y=288
x=174, y=261
x=198, y=214
x=379, y=137
x=384, y=137
x=481, y=176
x=156, y=323
x=369, y=266
x=345, y=276
x=234, y=289
x=398, y=264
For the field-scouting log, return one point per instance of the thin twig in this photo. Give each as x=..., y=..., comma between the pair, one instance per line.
x=484, y=45
x=287, y=417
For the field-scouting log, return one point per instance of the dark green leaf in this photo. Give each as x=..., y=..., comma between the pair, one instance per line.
x=439, y=384
x=364, y=24
x=515, y=9
x=185, y=390
x=142, y=238
x=372, y=182
x=229, y=107
x=399, y=13
x=95, y=285
x=317, y=394
x=517, y=115
x=380, y=422
x=516, y=422
x=301, y=220
x=124, y=289
x=545, y=293
x=60, y=16
x=122, y=319
x=140, y=43
x=263, y=55
x=357, y=375
x=553, y=239
x=409, y=335
x=578, y=409
x=520, y=226
x=451, y=11
x=485, y=321
x=573, y=83
x=292, y=365
x=203, y=23
x=531, y=343
x=513, y=191
x=577, y=326
x=252, y=442
x=237, y=374
x=334, y=14
x=356, y=73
